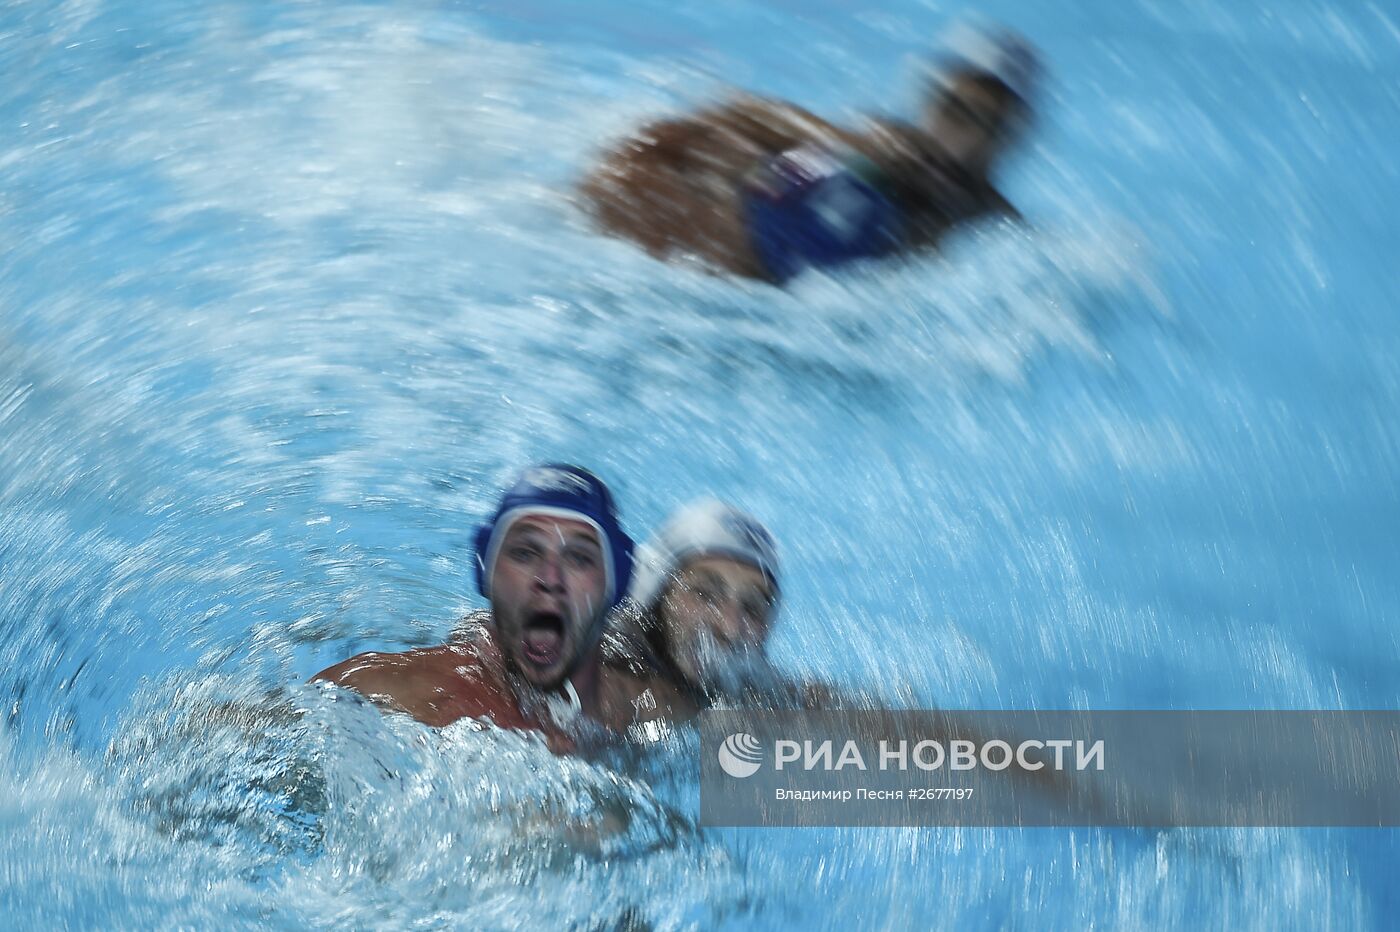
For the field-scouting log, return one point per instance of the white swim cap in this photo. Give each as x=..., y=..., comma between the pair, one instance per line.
x=985, y=48
x=707, y=527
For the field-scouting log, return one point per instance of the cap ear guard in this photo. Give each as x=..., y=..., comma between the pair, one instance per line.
x=482, y=543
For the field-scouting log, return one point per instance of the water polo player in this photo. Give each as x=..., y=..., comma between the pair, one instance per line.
x=553, y=561
x=764, y=189
x=703, y=601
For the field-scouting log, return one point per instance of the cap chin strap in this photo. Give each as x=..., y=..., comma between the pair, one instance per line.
x=586, y=647
x=572, y=693
x=566, y=708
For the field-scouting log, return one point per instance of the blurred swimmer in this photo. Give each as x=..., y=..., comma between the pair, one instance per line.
x=703, y=602
x=553, y=561
x=763, y=189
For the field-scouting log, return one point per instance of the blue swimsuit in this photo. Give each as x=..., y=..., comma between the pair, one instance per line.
x=809, y=207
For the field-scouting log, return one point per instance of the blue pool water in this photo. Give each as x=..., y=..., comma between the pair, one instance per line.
x=288, y=290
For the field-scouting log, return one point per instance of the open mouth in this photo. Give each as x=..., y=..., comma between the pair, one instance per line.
x=543, y=641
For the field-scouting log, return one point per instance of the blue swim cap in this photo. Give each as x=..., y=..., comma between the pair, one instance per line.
x=561, y=491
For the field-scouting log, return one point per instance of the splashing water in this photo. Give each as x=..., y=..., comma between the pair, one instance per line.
x=288, y=291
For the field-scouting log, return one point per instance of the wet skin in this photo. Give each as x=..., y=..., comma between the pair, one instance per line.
x=715, y=606
x=712, y=612
x=677, y=186
x=547, y=588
